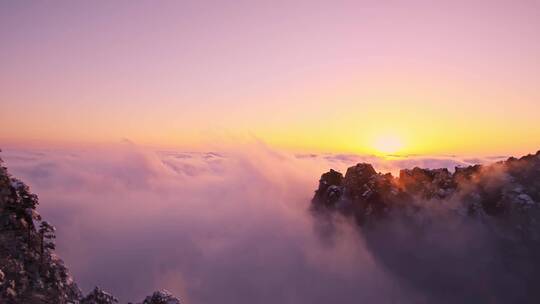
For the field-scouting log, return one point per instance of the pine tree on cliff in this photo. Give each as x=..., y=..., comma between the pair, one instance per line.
x=47, y=236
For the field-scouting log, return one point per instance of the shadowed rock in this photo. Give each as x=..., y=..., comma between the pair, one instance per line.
x=471, y=236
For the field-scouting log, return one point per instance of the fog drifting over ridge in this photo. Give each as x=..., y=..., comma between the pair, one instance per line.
x=225, y=227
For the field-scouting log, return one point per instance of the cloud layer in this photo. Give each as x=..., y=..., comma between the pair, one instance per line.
x=227, y=227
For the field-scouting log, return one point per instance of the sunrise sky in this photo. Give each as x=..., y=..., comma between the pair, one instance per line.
x=409, y=77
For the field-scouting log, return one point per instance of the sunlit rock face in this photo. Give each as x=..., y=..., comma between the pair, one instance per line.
x=471, y=236
x=503, y=189
x=30, y=271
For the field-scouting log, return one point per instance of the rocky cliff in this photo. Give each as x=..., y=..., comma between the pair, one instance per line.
x=467, y=236
x=30, y=271
x=499, y=190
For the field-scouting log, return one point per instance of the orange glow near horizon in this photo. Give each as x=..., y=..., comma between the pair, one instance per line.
x=334, y=77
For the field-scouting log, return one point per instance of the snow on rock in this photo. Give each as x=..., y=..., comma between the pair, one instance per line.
x=501, y=188
x=525, y=199
x=161, y=297
x=99, y=296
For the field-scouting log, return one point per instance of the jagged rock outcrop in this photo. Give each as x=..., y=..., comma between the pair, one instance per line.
x=99, y=296
x=502, y=189
x=329, y=188
x=30, y=271
x=471, y=236
x=161, y=297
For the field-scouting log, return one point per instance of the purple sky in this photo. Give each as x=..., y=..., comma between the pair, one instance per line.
x=444, y=77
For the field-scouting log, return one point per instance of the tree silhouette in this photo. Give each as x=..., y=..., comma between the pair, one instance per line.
x=47, y=236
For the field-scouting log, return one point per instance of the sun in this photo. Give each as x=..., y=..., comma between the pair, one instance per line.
x=388, y=144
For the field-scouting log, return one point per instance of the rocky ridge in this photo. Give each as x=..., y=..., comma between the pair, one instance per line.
x=468, y=236
x=499, y=190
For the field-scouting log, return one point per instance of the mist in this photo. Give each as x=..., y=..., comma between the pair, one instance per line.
x=228, y=226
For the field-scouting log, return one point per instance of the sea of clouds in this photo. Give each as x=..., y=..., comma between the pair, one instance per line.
x=227, y=226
